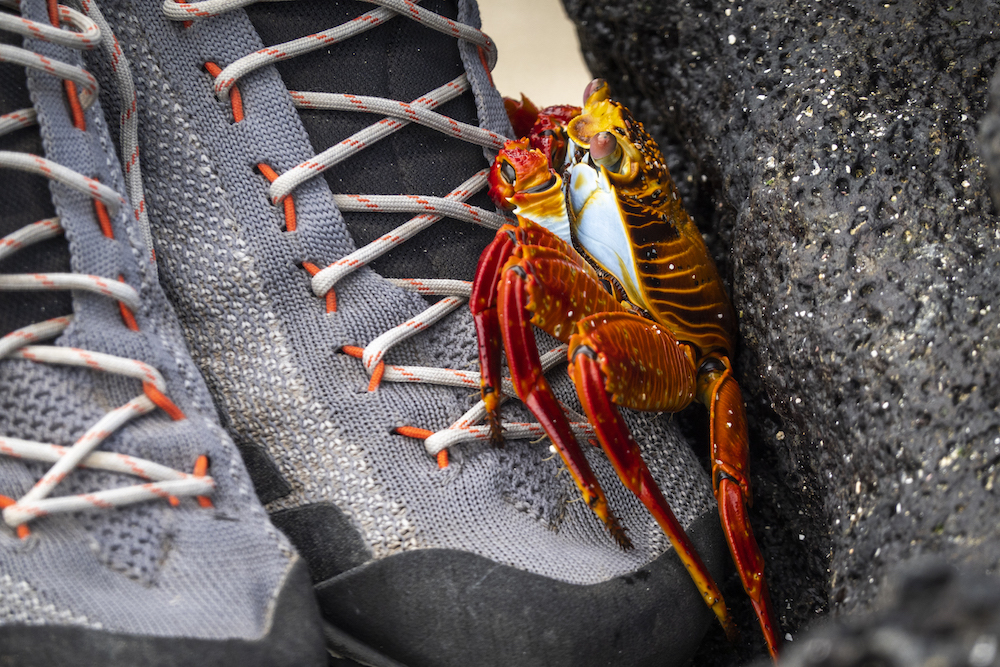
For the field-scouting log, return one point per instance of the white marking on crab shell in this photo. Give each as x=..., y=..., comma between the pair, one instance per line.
x=557, y=223
x=599, y=227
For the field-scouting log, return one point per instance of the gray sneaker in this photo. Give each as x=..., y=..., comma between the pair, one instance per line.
x=131, y=534
x=316, y=191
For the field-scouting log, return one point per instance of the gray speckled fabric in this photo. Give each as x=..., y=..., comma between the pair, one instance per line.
x=269, y=350
x=150, y=568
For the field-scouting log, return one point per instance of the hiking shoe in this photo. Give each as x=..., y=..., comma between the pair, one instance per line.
x=317, y=196
x=131, y=534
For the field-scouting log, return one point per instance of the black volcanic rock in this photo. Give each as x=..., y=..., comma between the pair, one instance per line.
x=989, y=141
x=936, y=616
x=829, y=153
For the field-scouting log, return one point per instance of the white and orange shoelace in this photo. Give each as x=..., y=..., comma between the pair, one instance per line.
x=397, y=114
x=88, y=31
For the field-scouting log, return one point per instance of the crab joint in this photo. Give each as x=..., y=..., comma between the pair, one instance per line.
x=519, y=271
x=585, y=351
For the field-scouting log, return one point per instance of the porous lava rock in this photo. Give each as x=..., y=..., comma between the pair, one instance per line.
x=935, y=616
x=829, y=154
x=989, y=140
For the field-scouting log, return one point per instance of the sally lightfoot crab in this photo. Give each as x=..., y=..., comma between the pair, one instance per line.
x=605, y=258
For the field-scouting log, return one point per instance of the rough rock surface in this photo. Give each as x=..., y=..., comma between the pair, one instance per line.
x=829, y=154
x=989, y=141
x=936, y=616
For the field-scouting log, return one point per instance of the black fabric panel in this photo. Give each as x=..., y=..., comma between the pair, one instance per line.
x=295, y=638
x=325, y=537
x=350, y=652
x=399, y=60
x=26, y=199
x=267, y=480
x=440, y=608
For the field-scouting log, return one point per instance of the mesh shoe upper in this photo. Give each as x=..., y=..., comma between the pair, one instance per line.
x=273, y=355
x=117, y=542
x=300, y=237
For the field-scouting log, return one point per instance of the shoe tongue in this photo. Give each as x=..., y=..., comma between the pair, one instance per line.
x=26, y=199
x=400, y=60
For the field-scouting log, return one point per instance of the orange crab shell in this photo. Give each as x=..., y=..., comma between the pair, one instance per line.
x=531, y=167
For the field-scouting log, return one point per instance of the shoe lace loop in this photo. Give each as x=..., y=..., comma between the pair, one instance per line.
x=397, y=114
x=24, y=343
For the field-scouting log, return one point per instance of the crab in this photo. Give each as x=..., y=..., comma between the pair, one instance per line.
x=605, y=259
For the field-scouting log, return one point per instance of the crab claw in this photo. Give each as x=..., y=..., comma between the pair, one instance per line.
x=521, y=180
x=522, y=114
x=515, y=159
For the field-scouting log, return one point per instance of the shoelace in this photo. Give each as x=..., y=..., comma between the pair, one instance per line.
x=89, y=32
x=398, y=114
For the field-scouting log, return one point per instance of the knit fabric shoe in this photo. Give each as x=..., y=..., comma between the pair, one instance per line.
x=315, y=175
x=131, y=534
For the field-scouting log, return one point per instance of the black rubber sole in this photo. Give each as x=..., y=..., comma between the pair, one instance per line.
x=440, y=608
x=295, y=638
x=348, y=651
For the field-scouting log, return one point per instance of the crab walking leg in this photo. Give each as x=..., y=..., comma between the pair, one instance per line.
x=534, y=390
x=483, y=303
x=623, y=359
x=718, y=390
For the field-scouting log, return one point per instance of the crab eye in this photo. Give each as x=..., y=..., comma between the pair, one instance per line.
x=605, y=151
x=508, y=173
x=593, y=87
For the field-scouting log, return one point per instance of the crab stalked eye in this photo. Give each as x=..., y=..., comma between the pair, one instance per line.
x=593, y=87
x=605, y=151
x=508, y=173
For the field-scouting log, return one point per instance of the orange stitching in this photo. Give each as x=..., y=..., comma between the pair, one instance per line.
x=482, y=59
x=331, y=296
x=75, y=109
x=127, y=314
x=414, y=432
x=162, y=402
x=200, y=468
x=269, y=173
x=235, y=98
x=22, y=531
x=72, y=98
x=186, y=24
x=103, y=219
x=272, y=176
x=377, y=376
x=423, y=434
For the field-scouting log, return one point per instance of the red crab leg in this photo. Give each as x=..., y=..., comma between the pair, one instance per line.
x=534, y=390
x=624, y=359
x=717, y=390
x=483, y=304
